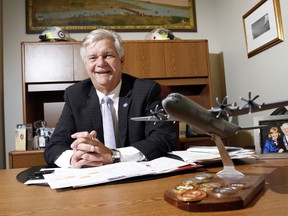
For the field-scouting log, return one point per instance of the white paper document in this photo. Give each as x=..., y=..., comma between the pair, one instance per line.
x=72, y=177
x=208, y=153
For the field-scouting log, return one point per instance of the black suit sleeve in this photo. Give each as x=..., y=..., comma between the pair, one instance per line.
x=152, y=139
x=75, y=117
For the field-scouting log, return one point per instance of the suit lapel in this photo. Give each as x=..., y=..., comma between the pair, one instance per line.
x=124, y=106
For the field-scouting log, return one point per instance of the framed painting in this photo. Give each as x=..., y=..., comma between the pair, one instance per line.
x=118, y=15
x=270, y=140
x=263, y=27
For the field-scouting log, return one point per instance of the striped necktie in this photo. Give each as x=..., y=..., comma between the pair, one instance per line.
x=108, y=126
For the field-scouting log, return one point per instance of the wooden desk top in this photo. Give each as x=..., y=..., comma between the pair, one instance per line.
x=138, y=198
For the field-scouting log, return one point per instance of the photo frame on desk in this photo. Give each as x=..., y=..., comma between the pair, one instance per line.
x=261, y=135
x=116, y=15
x=263, y=27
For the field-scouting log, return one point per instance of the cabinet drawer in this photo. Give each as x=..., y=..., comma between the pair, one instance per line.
x=145, y=59
x=167, y=59
x=26, y=159
x=187, y=59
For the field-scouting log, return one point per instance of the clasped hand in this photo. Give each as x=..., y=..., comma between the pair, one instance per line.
x=89, y=151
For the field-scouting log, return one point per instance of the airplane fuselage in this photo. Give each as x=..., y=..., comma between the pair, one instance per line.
x=184, y=109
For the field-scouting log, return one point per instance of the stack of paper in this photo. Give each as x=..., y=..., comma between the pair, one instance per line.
x=208, y=153
x=71, y=177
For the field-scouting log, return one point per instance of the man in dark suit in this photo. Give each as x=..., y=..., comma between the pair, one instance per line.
x=78, y=139
x=283, y=140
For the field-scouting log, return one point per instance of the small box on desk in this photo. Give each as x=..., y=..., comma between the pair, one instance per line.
x=24, y=137
x=20, y=139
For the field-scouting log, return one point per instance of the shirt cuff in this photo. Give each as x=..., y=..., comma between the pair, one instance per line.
x=130, y=153
x=63, y=160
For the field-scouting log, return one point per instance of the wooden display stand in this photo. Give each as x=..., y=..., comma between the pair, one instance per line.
x=230, y=190
x=220, y=202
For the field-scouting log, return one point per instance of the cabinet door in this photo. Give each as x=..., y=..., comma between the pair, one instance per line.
x=47, y=62
x=187, y=59
x=144, y=59
x=79, y=68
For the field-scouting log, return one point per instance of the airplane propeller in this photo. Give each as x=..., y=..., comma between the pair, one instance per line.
x=250, y=102
x=158, y=113
x=224, y=108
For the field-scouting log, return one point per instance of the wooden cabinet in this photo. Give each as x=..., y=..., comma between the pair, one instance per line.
x=50, y=67
x=167, y=59
x=144, y=59
x=183, y=65
x=26, y=159
x=78, y=64
x=49, y=62
x=47, y=69
x=187, y=59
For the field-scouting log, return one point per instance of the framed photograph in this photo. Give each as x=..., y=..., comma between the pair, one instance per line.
x=263, y=26
x=119, y=15
x=270, y=141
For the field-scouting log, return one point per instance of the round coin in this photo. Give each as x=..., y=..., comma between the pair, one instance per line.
x=239, y=185
x=203, y=176
x=224, y=191
x=209, y=186
x=192, y=181
x=182, y=187
x=191, y=195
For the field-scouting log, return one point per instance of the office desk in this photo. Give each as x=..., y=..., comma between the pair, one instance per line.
x=138, y=198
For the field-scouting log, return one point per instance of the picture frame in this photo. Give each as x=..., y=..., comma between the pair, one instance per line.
x=76, y=16
x=263, y=27
x=261, y=135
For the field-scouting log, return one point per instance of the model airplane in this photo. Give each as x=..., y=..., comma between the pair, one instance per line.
x=180, y=108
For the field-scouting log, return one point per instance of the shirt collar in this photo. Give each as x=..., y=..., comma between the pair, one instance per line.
x=114, y=94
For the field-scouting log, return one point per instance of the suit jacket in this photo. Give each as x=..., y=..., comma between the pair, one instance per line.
x=82, y=112
x=281, y=143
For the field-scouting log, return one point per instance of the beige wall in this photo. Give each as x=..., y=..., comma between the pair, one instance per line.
x=218, y=21
x=264, y=74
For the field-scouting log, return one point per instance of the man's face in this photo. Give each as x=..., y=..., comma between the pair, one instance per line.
x=103, y=65
x=284, y=129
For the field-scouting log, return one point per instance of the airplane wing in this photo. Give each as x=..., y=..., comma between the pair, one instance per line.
x=153, y=118
x=144, y=118
x=158, y=114
x=235, y=111
x=249, y=107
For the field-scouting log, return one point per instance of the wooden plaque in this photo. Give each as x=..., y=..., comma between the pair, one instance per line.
x=245, y=190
